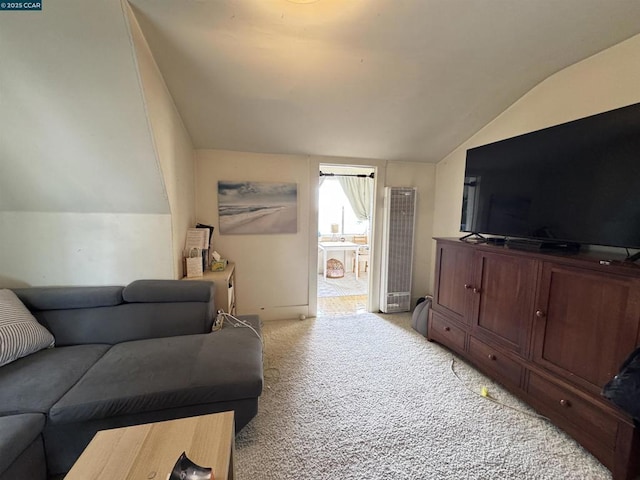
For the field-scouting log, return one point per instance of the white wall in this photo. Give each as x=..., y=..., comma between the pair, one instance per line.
x=74, y=134
x=605, y=81
x=96, y=173
x=272, y=271
x=82, y=249
x=275, y=272
x=172, y=143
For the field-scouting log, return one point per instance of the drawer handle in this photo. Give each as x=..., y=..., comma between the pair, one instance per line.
x=476, y=290
x=447, y=329
x=565, y=403
x=467, y=286
x=492, y=356
x=540, y=314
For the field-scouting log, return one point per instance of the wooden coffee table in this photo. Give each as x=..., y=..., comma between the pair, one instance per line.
x=150, y=451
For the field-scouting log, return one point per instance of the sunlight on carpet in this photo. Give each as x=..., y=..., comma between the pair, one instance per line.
x=342, y=305
x=347, y=286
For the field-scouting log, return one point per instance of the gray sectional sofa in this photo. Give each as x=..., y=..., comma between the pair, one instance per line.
x=122, y=356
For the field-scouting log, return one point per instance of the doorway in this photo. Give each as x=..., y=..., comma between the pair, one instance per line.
x=345, y=219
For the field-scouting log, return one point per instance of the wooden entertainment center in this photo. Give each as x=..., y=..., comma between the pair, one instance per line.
x=551, y=328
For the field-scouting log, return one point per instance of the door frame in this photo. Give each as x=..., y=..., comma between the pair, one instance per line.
x=373, y=298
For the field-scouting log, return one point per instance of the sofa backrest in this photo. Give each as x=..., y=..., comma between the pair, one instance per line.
x=114, y=314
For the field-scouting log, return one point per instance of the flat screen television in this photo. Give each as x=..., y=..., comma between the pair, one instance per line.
x=578, y=182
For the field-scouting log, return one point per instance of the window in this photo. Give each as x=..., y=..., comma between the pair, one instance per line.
x=336, y=209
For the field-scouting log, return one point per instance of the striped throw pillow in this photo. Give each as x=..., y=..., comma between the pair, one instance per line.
x=20, y=332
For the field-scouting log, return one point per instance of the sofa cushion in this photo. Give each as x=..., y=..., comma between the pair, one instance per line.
x=60, y=298
x=17, y=432
x=163, y=291
x=36, y=382
x=127, y=322
x=90, y=315
x=151, y=375
x=20, y=332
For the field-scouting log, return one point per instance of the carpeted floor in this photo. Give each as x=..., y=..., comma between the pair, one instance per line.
x=365, y=397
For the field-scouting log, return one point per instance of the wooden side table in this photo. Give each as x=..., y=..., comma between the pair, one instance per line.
x=150, y=451
x=225, y=293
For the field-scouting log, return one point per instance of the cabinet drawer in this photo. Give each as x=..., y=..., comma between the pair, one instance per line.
x=584, y=415
x=496, y=362
x=442, y=331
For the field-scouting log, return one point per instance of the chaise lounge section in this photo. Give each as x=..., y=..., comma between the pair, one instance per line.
x=122, y=356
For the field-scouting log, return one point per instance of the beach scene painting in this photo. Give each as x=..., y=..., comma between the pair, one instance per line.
x=258, y=208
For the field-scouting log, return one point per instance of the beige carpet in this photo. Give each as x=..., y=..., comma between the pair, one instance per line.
x=365, y=397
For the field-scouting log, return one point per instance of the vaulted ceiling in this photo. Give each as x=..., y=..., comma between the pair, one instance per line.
x=381, y=79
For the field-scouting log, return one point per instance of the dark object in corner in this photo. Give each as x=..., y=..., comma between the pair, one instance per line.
x=186, y=469
x=624, y=388
x=420, y=315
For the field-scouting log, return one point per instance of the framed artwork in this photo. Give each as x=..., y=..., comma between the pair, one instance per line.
x=257, y=208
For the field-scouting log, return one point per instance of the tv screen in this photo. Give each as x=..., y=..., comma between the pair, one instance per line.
x=577, y=182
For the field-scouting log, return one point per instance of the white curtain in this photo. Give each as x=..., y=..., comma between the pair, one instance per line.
x=359, y=192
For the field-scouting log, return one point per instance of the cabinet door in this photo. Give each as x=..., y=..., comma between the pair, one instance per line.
x=453, y=278
x=503, y=299
x=586, y=325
